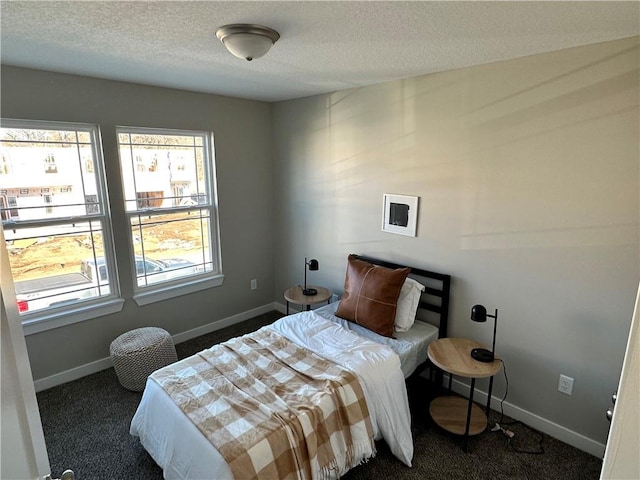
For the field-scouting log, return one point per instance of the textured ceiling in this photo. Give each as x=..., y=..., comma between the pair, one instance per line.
x=324, y=46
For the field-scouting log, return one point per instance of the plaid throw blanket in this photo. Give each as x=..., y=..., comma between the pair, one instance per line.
x=273, y=409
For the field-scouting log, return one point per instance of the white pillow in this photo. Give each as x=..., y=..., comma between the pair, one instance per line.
x=408, y=304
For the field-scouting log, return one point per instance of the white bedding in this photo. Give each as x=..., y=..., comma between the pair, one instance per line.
x=411, y=346
x=182, y=452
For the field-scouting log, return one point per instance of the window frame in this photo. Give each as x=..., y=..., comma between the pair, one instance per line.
x=156, y=292
x=57, y=316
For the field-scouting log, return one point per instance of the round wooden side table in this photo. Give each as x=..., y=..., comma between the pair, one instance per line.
x=455, y=414
x=295, y=295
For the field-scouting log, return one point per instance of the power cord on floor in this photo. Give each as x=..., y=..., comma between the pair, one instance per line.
x=509, y=434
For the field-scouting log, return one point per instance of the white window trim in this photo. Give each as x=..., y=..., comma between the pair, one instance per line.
x=171, y=290
x=65, y=316
x=50, y=318
x=147, y=294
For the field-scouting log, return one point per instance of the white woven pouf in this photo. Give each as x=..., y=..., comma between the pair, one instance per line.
x=138, y=353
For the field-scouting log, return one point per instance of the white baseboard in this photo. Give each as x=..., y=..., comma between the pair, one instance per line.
x=104, y=363
x=225, y=322
x=531, y=419
x=557, y=431
x=72, y=374
x=283, y=308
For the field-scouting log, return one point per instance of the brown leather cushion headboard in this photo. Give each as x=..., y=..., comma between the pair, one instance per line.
x=371, y=295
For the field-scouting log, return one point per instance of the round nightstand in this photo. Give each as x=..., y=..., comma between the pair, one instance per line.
x=295, y=295
x=455, y=414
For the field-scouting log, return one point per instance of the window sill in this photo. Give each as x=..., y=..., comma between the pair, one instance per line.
x=49, y=321
x=157, y=294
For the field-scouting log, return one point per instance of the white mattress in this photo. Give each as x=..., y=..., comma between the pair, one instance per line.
x=182, y=451
x=411, y=346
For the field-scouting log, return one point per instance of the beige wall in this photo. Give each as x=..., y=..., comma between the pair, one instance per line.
x=242, y=138
x=528, y=177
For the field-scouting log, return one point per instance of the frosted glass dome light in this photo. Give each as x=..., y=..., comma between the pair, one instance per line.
x=246, y=40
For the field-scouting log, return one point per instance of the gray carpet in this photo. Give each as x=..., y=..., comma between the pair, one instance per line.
x=86, y=426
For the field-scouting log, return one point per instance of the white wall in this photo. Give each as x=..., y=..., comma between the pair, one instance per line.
x=528, y=177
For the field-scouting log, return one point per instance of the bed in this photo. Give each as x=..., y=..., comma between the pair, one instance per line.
x=184, y=449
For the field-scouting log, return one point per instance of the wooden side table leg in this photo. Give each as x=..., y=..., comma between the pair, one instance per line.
x=287, y=307
x=466, y=428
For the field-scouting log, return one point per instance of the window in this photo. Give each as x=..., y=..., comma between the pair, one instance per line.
x=88, y=165
x=8, y=206
x=5, y=167
x=48, y=201
x=50, y=164
x=91, y=202
x=174, y=238
x=53, y=240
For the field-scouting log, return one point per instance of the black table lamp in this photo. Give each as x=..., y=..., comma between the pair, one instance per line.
x=313, y=265
x=479, y=314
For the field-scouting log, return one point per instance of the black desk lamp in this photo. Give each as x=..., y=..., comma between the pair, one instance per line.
x=479, y=314
x=313, y=265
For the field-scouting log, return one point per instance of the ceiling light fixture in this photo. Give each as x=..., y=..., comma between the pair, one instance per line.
x=246, y=40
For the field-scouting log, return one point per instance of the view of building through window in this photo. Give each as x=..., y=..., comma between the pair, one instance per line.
x=169, y=199
x=56, y=218
x=53, y=214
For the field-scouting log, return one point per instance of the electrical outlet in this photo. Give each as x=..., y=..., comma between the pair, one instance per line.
x=254, y=284
x=565, y=385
